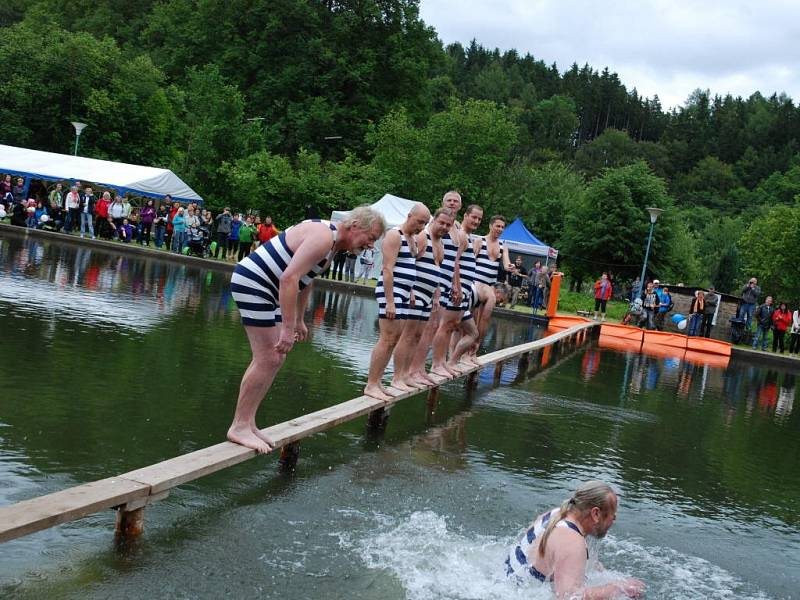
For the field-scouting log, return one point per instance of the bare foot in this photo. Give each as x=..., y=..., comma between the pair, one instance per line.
x=423, y=378
x=248, y=439
x=415, y=382
x=473, y=360
x=264, y=436
x=378, y=392
x=394, y=391
x=442, y=372
x=437, y=379
x=457, y=368
x=400, y=384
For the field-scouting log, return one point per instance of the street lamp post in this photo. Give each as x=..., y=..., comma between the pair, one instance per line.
x=79, y=127
x=654, y=214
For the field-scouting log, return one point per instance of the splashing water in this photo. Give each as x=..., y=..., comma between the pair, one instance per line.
x=432, y=561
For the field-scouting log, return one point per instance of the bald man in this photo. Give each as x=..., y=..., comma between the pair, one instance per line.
x=395, y=296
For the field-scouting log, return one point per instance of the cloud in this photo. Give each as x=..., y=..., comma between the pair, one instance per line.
x=659, y=47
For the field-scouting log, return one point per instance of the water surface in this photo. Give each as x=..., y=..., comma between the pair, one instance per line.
x=112, y=362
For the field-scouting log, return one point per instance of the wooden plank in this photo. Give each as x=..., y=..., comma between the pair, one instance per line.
x=142, y=486
x=175, y=471
x=47, y=511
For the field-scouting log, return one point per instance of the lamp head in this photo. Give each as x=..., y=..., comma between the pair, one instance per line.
x=78, y=126
x=654, y=213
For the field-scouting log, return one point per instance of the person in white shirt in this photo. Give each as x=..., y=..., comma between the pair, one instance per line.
x=794, y=337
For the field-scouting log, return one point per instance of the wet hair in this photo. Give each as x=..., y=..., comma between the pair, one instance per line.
x=497, y=218
x=445, y=211
x=366, y=217
x=588, y=495
x=472, y=208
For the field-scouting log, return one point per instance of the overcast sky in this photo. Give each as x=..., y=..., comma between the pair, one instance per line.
x=664, y=47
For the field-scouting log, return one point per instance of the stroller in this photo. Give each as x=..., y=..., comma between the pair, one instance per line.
x=635, y=313
x=198, y=241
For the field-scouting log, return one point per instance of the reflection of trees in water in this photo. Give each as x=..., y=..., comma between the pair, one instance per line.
x=155, y=285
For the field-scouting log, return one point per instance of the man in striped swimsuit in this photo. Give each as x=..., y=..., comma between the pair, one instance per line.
x=426, y=297
x=451, y=201
x=458, y=307
x=271, y=287
x=394, y=294
x=554, y=547
x=490, y=253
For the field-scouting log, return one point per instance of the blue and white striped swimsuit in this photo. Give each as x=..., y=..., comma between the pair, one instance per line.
x=486, y=269
x=256, y=280
x=467, y=267
x=447, y=270
x=428, y=279
x=405, y=273
x=518, y=563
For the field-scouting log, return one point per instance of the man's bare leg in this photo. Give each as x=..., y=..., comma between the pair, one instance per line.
x=256, y=381
x=441, y=342
x=390, y=329
x=483, y=317
x=404, y=355
x=465, y=344
x=417, y=368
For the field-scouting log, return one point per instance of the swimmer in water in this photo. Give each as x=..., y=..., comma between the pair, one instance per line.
x=554, y=546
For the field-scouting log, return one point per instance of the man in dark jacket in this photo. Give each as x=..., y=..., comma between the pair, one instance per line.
x=763, y=319
x=224, y=222
x=709, y=311
x=750, y=294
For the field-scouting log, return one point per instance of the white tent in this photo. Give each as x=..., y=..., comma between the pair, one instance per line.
x=394, y=210
x=145, y=181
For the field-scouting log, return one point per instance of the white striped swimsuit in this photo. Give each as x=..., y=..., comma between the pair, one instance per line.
x=428, y=279
x=467, y=269
x=256, y=280
x=405, y=273
x=519, y=563
x=447, y=270
x=486, y=269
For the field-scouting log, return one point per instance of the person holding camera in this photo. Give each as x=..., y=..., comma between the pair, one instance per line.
x=750, y=294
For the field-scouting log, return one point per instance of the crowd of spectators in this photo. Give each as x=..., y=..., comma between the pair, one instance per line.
x=164, y=224
x=769, y=319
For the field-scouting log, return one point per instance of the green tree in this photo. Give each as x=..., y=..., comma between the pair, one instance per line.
x=607, y=230
x=613, y=148
x=769, y=250
x=708, y=183
x=541, y=195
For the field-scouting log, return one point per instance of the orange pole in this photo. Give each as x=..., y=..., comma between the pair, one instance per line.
x=555, y=292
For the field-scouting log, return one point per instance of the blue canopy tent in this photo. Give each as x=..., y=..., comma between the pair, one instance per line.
x=521, y=241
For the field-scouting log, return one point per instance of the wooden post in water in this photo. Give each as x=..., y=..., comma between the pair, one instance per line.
x=130, y=523
x=377, y=420
x=287, y=462
x=472, y=379
x=498, y=370
x=433, y=400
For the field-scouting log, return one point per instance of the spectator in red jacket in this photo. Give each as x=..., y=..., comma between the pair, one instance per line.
x=266, y=230
x=781, y=321
x=101, y=214
x=602, y=294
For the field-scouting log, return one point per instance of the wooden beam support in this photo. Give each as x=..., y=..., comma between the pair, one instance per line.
x=377, y=420
x=287, y=462
x=130, y=523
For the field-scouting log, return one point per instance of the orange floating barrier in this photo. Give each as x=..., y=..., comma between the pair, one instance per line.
x=708, y=346
x=665, y=338
x=663, y=351
x=618, y=343
x=625, y=332
x=704, y=358
x=565, y=322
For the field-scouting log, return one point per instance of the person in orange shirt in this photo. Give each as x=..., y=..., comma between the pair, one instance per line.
x=266, y=230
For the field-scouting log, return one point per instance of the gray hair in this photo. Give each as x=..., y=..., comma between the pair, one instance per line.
x=365, y=218
x=588, y=495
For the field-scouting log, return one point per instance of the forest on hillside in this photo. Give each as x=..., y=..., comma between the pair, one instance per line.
x=273, y=105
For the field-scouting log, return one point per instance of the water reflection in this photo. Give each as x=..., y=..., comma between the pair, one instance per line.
x=101, y=289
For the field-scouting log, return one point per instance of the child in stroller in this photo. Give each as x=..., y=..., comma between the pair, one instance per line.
x=198, y=241
x=634, y=314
